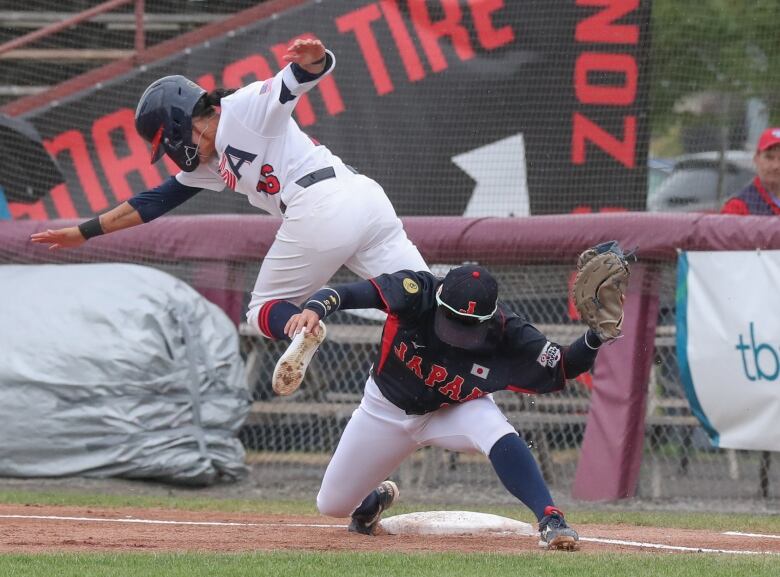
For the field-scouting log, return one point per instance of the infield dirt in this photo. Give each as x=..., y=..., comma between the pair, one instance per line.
x=34, y=529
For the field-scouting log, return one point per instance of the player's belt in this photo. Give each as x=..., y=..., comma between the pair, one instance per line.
x=320, y=175
x=315, y=177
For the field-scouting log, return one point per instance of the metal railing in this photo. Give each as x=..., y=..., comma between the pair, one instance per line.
x=55, y=27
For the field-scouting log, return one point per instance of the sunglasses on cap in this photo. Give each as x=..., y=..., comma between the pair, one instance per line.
x=465, y=318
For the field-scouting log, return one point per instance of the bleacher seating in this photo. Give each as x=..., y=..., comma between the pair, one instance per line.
x=35, y=67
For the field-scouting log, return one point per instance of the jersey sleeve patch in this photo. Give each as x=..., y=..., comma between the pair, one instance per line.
x=550, y=355
x=410, y=286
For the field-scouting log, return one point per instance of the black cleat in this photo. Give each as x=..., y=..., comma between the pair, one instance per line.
x=367, y=524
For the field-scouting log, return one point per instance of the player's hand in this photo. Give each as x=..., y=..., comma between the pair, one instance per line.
x=304, y=51
x=69, y=237
x=306, y=320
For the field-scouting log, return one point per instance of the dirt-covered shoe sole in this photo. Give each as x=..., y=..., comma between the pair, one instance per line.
x=561, y=543
x=291, y=367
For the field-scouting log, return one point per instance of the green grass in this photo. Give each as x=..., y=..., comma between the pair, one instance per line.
x=384, y=565
x=195, y=503
x=751, y=522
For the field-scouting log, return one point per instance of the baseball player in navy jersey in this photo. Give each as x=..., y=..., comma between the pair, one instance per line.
x=248, y=141
x=446, y=345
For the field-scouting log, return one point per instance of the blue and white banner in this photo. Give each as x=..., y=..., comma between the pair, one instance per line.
x=728, y=345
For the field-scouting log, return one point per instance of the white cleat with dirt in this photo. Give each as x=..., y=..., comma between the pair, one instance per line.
x=292, y=365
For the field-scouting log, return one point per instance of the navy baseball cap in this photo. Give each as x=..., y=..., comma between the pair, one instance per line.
x=467, y=299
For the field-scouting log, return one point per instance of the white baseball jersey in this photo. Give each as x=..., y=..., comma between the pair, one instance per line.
x=343, y=219
x=261, y=152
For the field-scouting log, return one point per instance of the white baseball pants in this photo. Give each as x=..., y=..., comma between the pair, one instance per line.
x=379, y=436
x=343, y=221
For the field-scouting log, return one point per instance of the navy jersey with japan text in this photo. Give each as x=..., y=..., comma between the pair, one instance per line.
x=419, y=373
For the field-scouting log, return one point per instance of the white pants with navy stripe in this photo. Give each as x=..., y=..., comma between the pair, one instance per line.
x=379, y=436
x=343, y=221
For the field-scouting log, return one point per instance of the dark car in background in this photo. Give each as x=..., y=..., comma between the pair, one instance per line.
x=693, y=184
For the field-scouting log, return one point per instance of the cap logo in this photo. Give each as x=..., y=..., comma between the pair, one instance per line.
x=410, y=286
x=472, y=306
x=776, y=133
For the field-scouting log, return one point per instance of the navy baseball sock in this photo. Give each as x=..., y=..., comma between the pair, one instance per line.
x=518, y=471
x=369, y=505
x=273, y=316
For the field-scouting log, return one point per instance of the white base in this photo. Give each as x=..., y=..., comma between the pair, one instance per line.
x=454, y=523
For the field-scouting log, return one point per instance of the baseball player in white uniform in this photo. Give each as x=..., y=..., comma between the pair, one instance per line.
x=248, y=141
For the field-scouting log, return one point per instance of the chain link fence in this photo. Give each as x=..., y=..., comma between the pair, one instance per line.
x=290, y=439
x=714, y=82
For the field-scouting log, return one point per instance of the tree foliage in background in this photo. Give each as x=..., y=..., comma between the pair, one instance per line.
x=727, y=46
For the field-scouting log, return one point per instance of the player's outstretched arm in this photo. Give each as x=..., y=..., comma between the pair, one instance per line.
x=308, y=53
x=118, y=218
x=326, y=301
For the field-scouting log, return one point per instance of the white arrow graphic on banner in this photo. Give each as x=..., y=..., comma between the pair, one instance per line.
x=499, y=170
x=502, y=189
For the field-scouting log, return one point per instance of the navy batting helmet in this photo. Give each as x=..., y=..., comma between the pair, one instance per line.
x=164, y=118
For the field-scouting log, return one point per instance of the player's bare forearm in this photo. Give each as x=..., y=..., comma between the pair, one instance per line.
x=118, y=218
x=308, y=53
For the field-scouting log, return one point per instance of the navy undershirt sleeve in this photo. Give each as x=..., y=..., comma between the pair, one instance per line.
x=156, y=202
x=579, y=357
x=360, y=295
x=357, y=295
x=303, y=76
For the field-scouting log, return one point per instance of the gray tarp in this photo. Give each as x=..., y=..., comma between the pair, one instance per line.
x=117, y=370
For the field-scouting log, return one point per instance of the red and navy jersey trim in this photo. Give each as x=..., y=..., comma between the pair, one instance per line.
x=388, y=332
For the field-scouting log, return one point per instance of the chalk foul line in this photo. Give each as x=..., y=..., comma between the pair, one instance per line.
x=639, y=544
x=757, y=535
x=162, y=522
x=673, y=547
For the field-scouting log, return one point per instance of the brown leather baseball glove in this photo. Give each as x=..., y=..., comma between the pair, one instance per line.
x=600, y=287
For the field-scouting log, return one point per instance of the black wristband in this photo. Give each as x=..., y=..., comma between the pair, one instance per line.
x=90, y=228
x=324, y=302
x=594, y=337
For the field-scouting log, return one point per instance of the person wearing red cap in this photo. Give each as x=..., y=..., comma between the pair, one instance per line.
x=446, y=346
x=762, y=195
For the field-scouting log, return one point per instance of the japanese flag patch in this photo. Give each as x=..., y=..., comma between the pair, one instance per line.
x=550, y=355
x=479, y=371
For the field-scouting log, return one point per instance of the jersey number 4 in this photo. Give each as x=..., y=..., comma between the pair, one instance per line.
x=268, y=183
